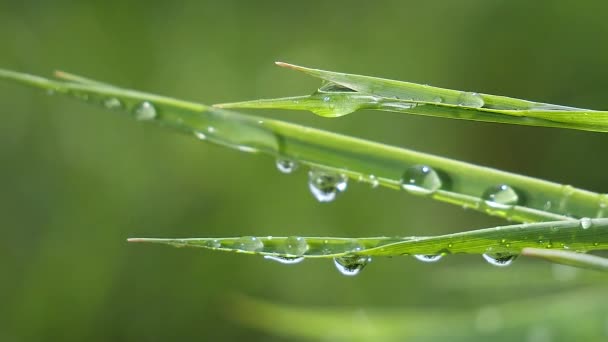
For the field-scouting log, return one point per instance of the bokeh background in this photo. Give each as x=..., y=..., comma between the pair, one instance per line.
x=77, y=181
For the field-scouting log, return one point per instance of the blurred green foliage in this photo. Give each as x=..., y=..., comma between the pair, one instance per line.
x=79, y=181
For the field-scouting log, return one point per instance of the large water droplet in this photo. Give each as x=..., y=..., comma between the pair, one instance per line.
x=421, y=179
x=586, y=223
x=351, y=265
x=295, y=245
x=500, y=197
x=467, y=99
x=286, y=165
x=284, y=260
x=145, y=111
x=324, y=186
x=215, y=243
x=249, y=244
x=428, y=257
x=500, y=260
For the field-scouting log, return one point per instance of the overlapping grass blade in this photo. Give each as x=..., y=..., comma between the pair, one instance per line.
x=458, y=183
x=569, y=258
x=346, y=93
x=569, y=315
x=574, y=235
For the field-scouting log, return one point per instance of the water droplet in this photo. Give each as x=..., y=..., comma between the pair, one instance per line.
x=284, y=260
x=215, y=243
x=200, y=135
x=286, y=165
x=249, y=244
x=112, y=103
x=500, y=197
x=373, y=180
x=500, y=260
x=145, y=111
x=326, y=99
x=351, y=265
x=438, y=99
x=326, y=185
x=467, y=99
x=428, y=257
x=295, y=245
x=421, y=180
x=586, y=223
x=602, y=206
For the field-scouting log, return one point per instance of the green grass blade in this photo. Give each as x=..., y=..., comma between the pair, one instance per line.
x=494, y=192
x=555, y=314
x=569, y=258
x=578, y=235
x=411, y=98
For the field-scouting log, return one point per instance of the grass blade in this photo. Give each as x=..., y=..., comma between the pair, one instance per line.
x=494, y=192
x=569, y=258
x=578, y=235
x=411, y=98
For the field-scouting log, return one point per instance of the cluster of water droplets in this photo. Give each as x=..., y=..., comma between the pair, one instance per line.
x=325, y=185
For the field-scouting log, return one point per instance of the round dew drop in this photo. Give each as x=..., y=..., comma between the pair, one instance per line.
x=500, y=260
x=467, y=99
x=295, y=245
x=428, y=257
x=421, y=180
x=351, y=265
x=586, y=223
x=249, y=244
x=145, y=111
x=325, y=186
x=500, y=197
x=286, y=166
x=112, y=103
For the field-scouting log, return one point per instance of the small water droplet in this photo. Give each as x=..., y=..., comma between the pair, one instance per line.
x=286, y=165
x=421, y=179
x=284, y=260
x=200, y=135
x=295, y=245
x=373, y=181
x=500, y=260
x=438, y=99
x=467, y=99
x=145, y=111
x=112, y=103
x=249, y=244
x=428, y=257
x=351, y=265
x=500, y=197
x=586, y=223
x=324, y=186
x=326, y=99
x=215, y=243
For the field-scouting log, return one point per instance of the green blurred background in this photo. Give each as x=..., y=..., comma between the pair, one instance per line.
x=77, y=181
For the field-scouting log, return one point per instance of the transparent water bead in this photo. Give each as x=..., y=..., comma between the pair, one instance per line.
x=325, y=186
x=145, y=111
x=112, y=103
x=214, y=244
x=284, y=260
x=286, y=166
x=500, y=197
x=586, y=223
x=351, y=265
x=467, y=99
x=200, y=135
x=500, y=260
x=295, y=245
x=421, y=179
x=249, y=244
x=428, y=257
